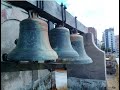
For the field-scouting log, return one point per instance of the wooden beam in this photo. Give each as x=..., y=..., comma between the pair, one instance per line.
x=51, y=11
x=26, y=66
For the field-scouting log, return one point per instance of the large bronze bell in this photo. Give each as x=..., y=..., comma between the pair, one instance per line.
x=60, y=42
x=33, y=43
x=78, y=45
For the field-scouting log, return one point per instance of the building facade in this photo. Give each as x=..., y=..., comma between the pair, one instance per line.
x=117, y=43
x=109, y=39
x=94, y=32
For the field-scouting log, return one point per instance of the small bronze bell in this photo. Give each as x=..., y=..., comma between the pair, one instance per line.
x=33, y=43
x=78, y=45
x=60, y=42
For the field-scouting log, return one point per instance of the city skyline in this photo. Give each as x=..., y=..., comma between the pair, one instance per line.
x=101, y=15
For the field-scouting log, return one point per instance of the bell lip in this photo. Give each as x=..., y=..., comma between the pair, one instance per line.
x=72, y=62
x=71, y=54
x=30, y=60
x=84, y=61
x=24, y=59
x=68, y=61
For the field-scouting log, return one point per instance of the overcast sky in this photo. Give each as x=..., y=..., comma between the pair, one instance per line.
x=100, y=14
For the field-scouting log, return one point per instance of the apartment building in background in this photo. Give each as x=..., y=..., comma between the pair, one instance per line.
x=109, y=39
x=94, y=32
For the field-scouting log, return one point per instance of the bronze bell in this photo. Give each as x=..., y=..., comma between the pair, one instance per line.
x=33, y=43
x=60, y=41
x=78, y=45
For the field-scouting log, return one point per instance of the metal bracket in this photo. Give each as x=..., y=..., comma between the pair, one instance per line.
x=75, y=25
x=75, y=22
x=4, y=56
x=40, y=4
x=32, y=14
x=74, y=30
x=63, y=13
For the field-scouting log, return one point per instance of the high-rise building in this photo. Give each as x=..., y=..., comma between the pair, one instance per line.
x=109, y=39
x=117, y=43
x=94, y=32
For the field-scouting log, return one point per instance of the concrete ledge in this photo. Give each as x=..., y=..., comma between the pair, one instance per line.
x=86, y=84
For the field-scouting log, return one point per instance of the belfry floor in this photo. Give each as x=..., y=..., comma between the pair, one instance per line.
x=112, y=82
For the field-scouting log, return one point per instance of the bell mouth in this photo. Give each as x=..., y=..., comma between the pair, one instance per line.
x=72, y=61
x=19, y=54
x=81, y=60
x=87, y=61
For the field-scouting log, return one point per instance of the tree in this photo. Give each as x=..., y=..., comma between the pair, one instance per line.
x=108, y=49
x=103, y=47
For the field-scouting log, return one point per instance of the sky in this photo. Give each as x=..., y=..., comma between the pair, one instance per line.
x=100, y=14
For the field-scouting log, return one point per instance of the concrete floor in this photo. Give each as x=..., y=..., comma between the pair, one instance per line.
x=61, y=83
x=112, y=82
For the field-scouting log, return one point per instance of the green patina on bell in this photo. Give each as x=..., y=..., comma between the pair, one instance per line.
x=78, y=45
x=60, y=42
x=33, y=43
